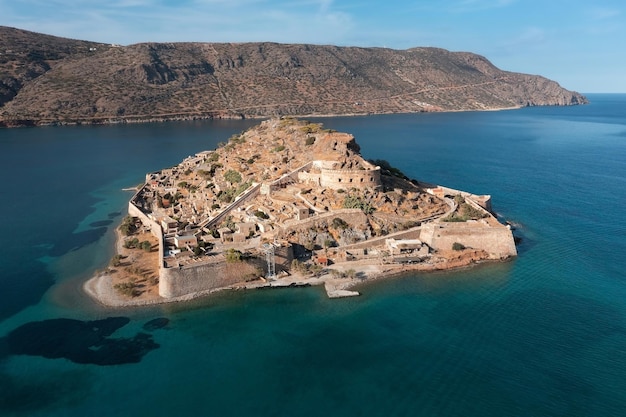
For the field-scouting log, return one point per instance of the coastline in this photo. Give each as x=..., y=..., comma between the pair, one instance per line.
x=113, y=120
x=207, y=242
x=100, y=286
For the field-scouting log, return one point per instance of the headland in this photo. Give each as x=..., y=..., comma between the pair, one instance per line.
x=289, y=203
x=47, y=80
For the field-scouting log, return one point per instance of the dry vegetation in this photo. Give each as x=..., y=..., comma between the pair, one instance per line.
x=135, y=271
x=155, y=81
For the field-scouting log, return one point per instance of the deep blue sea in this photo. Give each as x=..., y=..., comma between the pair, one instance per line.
x=542, y=335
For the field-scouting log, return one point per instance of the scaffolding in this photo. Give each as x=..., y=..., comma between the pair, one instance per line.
x=268, y=248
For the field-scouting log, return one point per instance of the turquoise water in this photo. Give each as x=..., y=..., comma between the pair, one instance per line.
x=543, y=335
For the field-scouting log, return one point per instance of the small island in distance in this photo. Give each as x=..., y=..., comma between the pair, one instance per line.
x=289, y=203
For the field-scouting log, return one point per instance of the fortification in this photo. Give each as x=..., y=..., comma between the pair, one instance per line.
x=293, y=182
x=180, y=281
x=496, y=240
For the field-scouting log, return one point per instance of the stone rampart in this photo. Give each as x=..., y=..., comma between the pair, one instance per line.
x=484, y=201
x=175, y=282
x=497, y=240
x=347, y=178
x=293, y=175
x=247, y=195
x=155, y=228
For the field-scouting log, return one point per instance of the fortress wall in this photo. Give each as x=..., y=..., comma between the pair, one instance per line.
x=175, y=282
x=339, y=178
x=248, y=195
x=497, y=241
x=322, y=164
x=134, y=211
x=159, y=236
x=155, y=228
x=293, y=175
x=484, y=201
x=309, y=177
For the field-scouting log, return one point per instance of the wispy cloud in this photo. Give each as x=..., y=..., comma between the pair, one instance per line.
x=478, y=5
x=602, y=21
x=603, y=13
x=132, y=21
x=529, y=41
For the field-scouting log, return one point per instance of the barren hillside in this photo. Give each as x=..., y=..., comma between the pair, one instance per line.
x=44, y=79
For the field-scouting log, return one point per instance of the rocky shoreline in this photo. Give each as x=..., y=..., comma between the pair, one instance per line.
x=100, y=286
x=57, y=81
x=194, y=117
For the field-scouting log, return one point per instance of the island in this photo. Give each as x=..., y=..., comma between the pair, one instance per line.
x=288, y=203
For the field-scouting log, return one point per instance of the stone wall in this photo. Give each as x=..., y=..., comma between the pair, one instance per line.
x=293, y=176
x=344, y=178
x=497, y=240
x=484, y=201
x=155, y=228
x=175, y=282
x=247, y=195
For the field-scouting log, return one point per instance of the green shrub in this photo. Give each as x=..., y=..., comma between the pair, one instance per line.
x=458, y=246
x=464, y=213
x=128, y=226
x=298, y=266
x=128, y=288
x=232, y=176
x=310, y=128
x=237, y=139
x=356, y=202
x=132, y=243
x=117, y=260
x=339, y=224
x=204, y=173
x=233, y=255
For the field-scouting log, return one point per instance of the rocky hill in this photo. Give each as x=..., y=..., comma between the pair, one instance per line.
x=46, y=79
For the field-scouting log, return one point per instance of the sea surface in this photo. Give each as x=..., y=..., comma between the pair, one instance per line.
x=542, y=335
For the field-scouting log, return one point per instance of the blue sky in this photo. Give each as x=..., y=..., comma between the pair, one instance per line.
x=580, y=44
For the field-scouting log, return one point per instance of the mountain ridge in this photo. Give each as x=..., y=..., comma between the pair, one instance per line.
x=51, y=80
